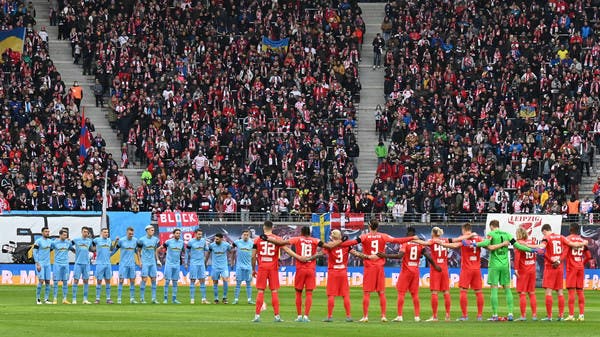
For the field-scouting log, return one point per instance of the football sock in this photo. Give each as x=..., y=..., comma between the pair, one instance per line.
x=561, y=305
x=216, y=290
x=571, y=302
x=581, y=301
x=400, y=303
x=463, y=302
x=480, y=301
x=38, y=291
x=533, y=303
x=86, y=290
x=47, y=291
x=549, y=306
x=249, y=290
x=298, y=302
x=365, y=303
x=74, y=291
x=382, y=303
x=192, y=290
x=347, y=305
x=153, y=285
x=509, y=300
x=142, y=290
x=434, y=304
x=107, y=289
x=447, y=302
x=260, y=299
x=523, y=304
x=132, y=290
x=416, y=303
x=275, y=302
x=330, y=305
x=99, y=289
x=166, y=289
x=494, y=300
x=308, y=302
x=120, y=290
x=174, y=289
x=238, y=287
x=203, y=289
x=225, y=288
x=55, y=289
x=65, y=288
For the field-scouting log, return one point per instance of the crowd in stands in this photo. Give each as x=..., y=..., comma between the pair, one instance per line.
x=490, y=106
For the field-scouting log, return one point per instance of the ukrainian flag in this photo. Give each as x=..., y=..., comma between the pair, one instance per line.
x=321, y=226
x=12, y=39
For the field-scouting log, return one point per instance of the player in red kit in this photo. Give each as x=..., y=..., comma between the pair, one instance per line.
x=266, y=255
x=576, y=258
x=410, y=253
x=374, y=276
x=470, y=271
x=439, y=280
x=526, y=275
x=554, y=244
x=305, y=279
x=337, y=274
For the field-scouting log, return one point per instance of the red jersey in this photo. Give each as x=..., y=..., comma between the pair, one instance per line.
x=373, y=243
x=439, y=253
x=470, y=257
x=267, y=253
x=305, y=247
x=337, y=258
x=576, y=257
x=554, y=248
x=525, y=261
x=412, y=256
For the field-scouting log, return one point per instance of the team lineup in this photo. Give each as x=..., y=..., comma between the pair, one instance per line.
x=259, y=258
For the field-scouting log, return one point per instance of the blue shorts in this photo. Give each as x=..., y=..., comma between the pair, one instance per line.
x=149, y=270
x=61, y=272
x=81, y=271
x=197, y=272
x=243, y=275
x=45, y=272
x=103, y=272
x=126, y=272
x=171, y=272
x=215, y=274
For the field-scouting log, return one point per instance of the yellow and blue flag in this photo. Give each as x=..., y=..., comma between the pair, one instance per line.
x=321, y=226
x=12, y=39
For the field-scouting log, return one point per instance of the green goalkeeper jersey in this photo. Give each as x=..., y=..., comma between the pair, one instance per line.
x=499, y=257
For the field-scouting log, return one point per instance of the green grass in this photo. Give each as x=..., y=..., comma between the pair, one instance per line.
x=20, y=316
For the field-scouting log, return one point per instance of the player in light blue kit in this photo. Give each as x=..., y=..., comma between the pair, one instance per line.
x=41, y=255
x=104, y=249
x=243, y=266
x=147, y=248
x=61, y=247
x=218, y=250
x=196, y=250
x=128, y=249
x=81, y=247
x=175, y=247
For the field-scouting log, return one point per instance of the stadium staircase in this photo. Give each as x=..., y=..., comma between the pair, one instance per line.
x=371, y=95
x=60, y=53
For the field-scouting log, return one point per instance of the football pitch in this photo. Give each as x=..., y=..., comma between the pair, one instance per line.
x=20, y=316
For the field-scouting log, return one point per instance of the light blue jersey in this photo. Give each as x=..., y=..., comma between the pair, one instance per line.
x=103, y=250
x=174, y=249
x=61, y=251
x=82, y=250
x=41, y=251
x=219, y=255
x=197, y=251
x=148, y=247
x=127, y=254
x=244, y=254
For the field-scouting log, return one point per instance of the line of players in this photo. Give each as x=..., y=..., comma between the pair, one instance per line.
x=144, y=252
x=263, y=252
x=555, y=248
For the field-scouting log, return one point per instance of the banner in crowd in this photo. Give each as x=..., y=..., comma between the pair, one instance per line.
x=24, y=274
x=168, y=221
x=12, y=39
x=279, y=46
x=350, y=221
x=532, y=223
x=321, y=226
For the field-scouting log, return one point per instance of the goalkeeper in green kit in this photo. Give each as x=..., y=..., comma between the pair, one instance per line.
x=497, y=242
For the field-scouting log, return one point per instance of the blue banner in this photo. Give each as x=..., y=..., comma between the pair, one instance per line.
x=279, y=46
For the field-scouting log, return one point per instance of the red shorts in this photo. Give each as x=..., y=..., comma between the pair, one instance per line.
x=305, y=279
x=374, y=279
x=337, y=284
x=526, y=282
x=553, y=278
x=408, y=281
x=439, y=280
x=470, y=278
x=271, y=275
x=575, y=278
